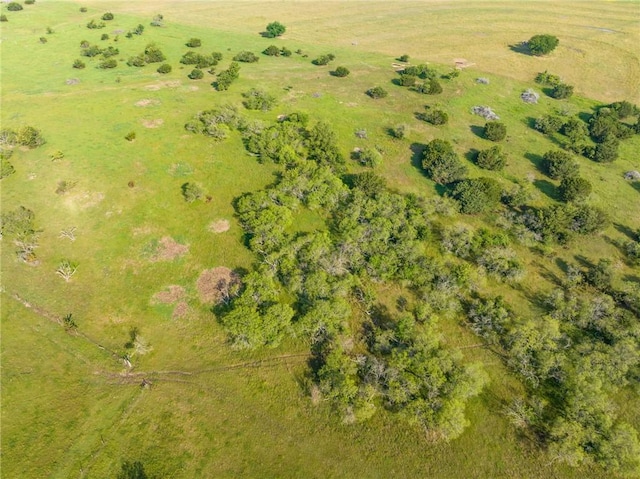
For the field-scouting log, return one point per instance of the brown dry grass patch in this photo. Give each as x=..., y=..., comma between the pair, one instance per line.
x=168, y=249
x=152, y=123
x=180, y=311
x=214, y=285
x=219, y=226
x=147, y=102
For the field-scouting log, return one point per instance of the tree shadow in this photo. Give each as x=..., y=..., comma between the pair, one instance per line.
x=631, y=278
x=584, y=261
x=521, y=48
x=477, y=130
x=472, y=155
x=547, y=91
x=635, y=185
x=548, y=188
x=417, y=153
x=536, y=160
x=585, y=116
x=625, y=230
x=530, y=122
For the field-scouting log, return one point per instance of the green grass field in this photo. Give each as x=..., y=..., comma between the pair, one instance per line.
x=69, y=409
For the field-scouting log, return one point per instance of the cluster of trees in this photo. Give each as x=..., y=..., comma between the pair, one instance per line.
x=256, y=99
x=573, y=362
x=201, y=61
x=274, y=51
x=226, y=77
x=420, y=78
x=151, y=54
x=246, y=57
x=324, y=59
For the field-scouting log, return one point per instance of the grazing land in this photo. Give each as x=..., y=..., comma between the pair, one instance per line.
x=130, y=242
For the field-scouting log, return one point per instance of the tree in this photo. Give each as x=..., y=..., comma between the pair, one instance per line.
x=542, y=44
x=341, y=72
x=258, y=100
x=192, y=192
x=574, y=188
x=442, y=163
x=435, y=116
x=164, y=68
x=194, y=43
x=495, y=131
x=605, y=152
x=477, y=195
x=369, y=157
x=196, y=74
x=377, y=92
x=275, y=29
x=561, y=91
x=559, y=164
x=491, y=159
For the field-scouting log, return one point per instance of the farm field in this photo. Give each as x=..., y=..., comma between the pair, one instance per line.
x=114, y=342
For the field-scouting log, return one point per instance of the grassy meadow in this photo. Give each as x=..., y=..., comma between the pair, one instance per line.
x=69, y=409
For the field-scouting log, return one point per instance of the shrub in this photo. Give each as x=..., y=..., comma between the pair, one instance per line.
x=546, y=78
x=574, y=188
x=192, y=192
x=377, y=92
x=130, y=136
x=548, y=124
x=152, y=54
x=226, y=77
x=105, y=36
x=341, y=72
x=246, y=57
x=3, y=18
x=562, y=91
x=559, y=165
x=605, y=124
x=442, y=163
x=43, y=40
x=194, y=43
x=92, y=25
x=495, y=131
x=477, y=195
x=605, y=152
x=624, y=109
x=83, y=9
x=542, y=44
x=196, y=74
x=491, y=159
x=398, y=132
x=275, y=29
x=6, y=168
x=110, y=52
x=108, y=63
x=137, y=61
x=14, y=7
x=369, y=157
x=430, y=87
x=271, y=51
x=29, y=2
x=49, y=31
x=323, y=59
x=164, y=68
x=201, y=61
x=157, y=20
x=435, y=116
x=407, y=80
x=107, y=16
x=285, y=52
x=30, y=137
x=91, y=51
x=258, y=100
x=403, y=58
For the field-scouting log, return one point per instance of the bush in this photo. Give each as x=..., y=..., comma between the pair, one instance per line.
x=341, y=72
x=91, y=51
x=201, y=61
x=137, y=61
x=92, y=25
x=108, y=63
x=398, y=132
x=14, y=7
x=562, y=91
x=477, y=195
x=285, y=52
x=271, y=51
x=43, y=40
x=624, y=109
x=495, y=131
x=430, y=87
x=542, y=44
x=157, y=20
x=192, y=192
x=29, y=2
x=548, y=124
x=164, y=68
x=3, y=18
x=369, y=157
x=546, y=78
x=110, y=52
x=152, y=54
x=194, y=43
x=442, y=163
x=407, y=80
x=403, y=58
x=6, y=168
x=246, y=57
x=605, y=152
x=105, y=36
x=323, y=59
x=491, y=159
x=258, y=100
x=30, y=137
x=107, y=16
x=377, y=92
x=83, y=9
x=574, y=188
x=130, y=136
x=559, y=165
x=196, y=74
x=275, y=29
x=435, y=116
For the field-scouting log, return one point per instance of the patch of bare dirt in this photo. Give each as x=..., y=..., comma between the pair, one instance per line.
x=85, y=199
x=147, y=102
x=180, y=311
x=168, y=249
x=170, y=295
x=217, y=285
x=152, y=123
x=462, y=63
x=219, y=226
